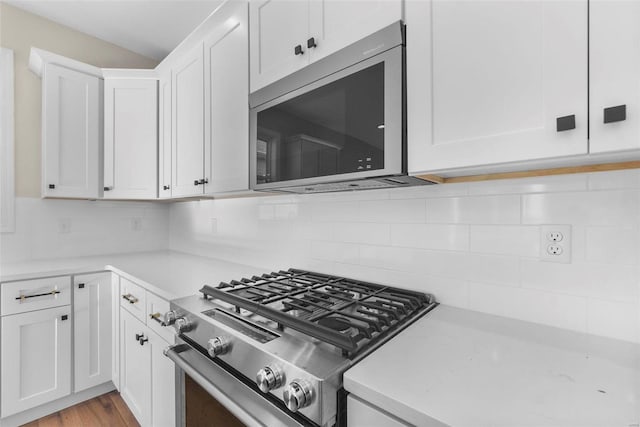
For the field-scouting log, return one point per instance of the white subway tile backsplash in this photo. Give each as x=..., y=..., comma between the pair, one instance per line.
x=393, y=211
x=612, y=245
x=505, y=240
x=367, y=233
x=494, y=269
x=614, y=180
x=614, y=208
x=475, y=210
x=335, y=251
x=431, y=236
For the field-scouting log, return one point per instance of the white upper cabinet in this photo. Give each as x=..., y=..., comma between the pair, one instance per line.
x=164, y=136
x=334, y=24
x=495, y=82
x=92, y=331
x=71, y=133
x=614, y=81
x=277, y=27
x=187, y=125
x=226, y=110
x=287, y=35
x=130, y=138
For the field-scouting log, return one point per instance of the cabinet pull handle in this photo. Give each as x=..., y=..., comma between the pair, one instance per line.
x=298, y=50
x=165, y=187
x=565, y=123
x=311, y=43
x=141, y=339
x=204, y=181
x=615, y=114
x=24, y=297
x=64, y=317
x=108, y=188
x=138, y=336
x=156, y=317
x=196, y=182
x=81, y=285
x=52, y=186
x=130, y=298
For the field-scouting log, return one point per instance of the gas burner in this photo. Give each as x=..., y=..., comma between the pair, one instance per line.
x=339, y=324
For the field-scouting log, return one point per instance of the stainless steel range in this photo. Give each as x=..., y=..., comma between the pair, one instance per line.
x=273, y=348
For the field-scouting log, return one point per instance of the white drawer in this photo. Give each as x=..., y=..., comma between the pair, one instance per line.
x=156, y=308
x=36, y=294
x=133, y=299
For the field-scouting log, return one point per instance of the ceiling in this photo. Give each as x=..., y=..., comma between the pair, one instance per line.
x=152, y=28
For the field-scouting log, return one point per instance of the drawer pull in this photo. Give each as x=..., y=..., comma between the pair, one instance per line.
x=615, y=114
x=156, y=317
x=566, y=123
x=130, y=298
x=24, y=297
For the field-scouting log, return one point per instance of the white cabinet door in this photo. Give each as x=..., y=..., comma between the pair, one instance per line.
x=71, y=133
x=227, y=102
x=135, y=367
x=334, y=24
x=277, y=27
x=614, y=67
x=187, y=158
x=36, y=358
x=92, y=330
x=163, y=384
x=488, y=81
x=130, y=138
x=164, y=137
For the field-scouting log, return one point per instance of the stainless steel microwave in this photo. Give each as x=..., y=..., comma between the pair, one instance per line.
x=338, y=124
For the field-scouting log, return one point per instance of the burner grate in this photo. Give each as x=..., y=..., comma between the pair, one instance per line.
x=307, y=301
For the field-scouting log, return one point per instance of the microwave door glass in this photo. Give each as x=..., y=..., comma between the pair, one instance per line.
x=334, y=129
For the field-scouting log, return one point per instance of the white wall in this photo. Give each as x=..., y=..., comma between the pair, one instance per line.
x=471, y=245
x=71, y=228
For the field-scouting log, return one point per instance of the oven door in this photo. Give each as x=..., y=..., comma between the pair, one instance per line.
x=232, y=401
x=346, y=126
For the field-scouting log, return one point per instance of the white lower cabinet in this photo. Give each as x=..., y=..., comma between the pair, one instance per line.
x=147, y=377
x=36, y=358
x=92, y=330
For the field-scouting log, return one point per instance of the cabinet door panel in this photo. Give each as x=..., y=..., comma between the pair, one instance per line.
x=71, y=140
x=614, y=66
x=163, y=381
x=135, y=368
x=227, y=103
x=92, y=331
x=335, y=24
x=188, y=125
x=164, y=137
x=36, y=358
x=131, y=138
x=277, y=26
x=489, y=79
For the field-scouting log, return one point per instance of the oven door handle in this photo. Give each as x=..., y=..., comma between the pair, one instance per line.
x=174, y=353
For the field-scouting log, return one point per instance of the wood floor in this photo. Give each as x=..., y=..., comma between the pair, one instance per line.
x=108, y=410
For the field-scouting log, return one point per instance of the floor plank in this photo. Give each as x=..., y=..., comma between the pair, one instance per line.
x=108, y=410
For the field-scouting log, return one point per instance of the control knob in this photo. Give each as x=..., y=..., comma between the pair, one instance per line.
x=217, y=346
x=297, y=395
x=269, y=378
x=170, y=318
x=183, y=324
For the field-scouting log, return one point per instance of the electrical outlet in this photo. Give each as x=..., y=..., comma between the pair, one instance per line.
x=64, y=226
x=555, y=243
x=136, y=224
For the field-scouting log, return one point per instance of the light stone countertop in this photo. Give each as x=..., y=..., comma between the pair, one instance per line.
x=168, y=274
x=460, y=368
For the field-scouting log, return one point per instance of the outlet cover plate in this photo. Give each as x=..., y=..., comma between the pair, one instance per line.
x=555, y=236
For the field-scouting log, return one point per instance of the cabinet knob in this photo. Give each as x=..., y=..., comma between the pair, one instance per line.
x=108, y=188
x=143, y=340
x=298, y=50
x=64, y=317
x=165, y=187
x=196, y=182
x=565, y=123
x=81, y=285
x=615, y=114
x=52, y=186
x=311, y=43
